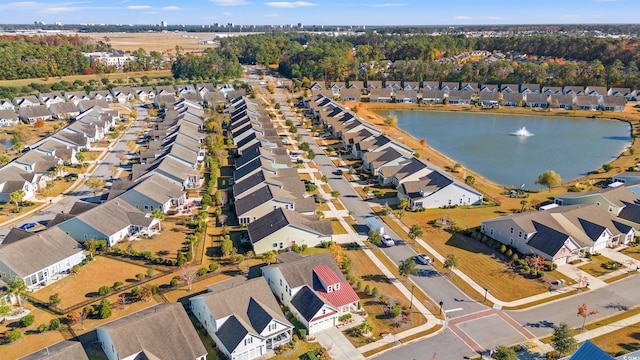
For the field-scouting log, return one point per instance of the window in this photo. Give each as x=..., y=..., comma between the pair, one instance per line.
x=598, y=203
x=526, y=236
x=281, y=245
x=337, y=286
x=519, y=233
x=280, y=282
x=511, y=241
x=491, y=231
x=511, y=230
x=275, y=245
x=329, y=288
x=483, y=228
x=286, y=288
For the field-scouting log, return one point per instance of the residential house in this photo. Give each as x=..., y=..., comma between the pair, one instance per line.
x=356, y=85
x=393, y=85
x=437, y=190
x=76, y=140
x=163, y=331
x=587, y=102
x=145, y=93
x=64, y=110
x=350, y=95
x=242, y=317
x=6, y=104
x=489, y=98
x=374, y=160
x=96, y=104
x=13, y=178
x=122, y=94
x=411, y=86
x=573, y=90
x=433, y=96
x=205, y=88
x=213, y=98
x=512, y=99
x=101, y=95
x=509, y=88
x=165, y=90
x=561, y=101
x=430, y=85
x=373, y=84
x=26, y=101
x=449, y=86
x=588, y=351
x=626, y=93
x=317, y=86
x=411, y=169
x=155, y=192
x=76, y=96
x=379, y=95
x=552, y=90
x=87, y=221
x=472, y=87
x=186, y=89
x=313, y=288
x=404, y=96
x=260, y=202
x=164, y=101
x=285, y=179
x=38, y=258
x=281, y=229
x=488, y=88
x=536, y=100
x=455, y=97
x=63, y=350
x=337, y=87
x=597, y=91
x=612, y=200
x=613, y=103
x=51, y=98
x=8, y=118
x=31, y=114
x=530, y=88
x=627, y=177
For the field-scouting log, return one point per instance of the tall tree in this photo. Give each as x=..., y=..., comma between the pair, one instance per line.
x=17, y=288
x=562, y=340
x=407, y=267
x=583, y=311
x=451, y=262
x=16, y=197
x=416, y=231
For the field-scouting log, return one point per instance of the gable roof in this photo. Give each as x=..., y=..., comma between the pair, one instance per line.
x=589, y=351
x=547, y=240
x=426, y=185
x=26, y=255
x=163, y=329
x=307, y=302
x=298, y=272
x=159, y=189
x=120, y=214
x=64, y=350
x=280, y=218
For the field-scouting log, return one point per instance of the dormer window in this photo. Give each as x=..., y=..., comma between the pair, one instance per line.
x=337, y=286
x=329, y=288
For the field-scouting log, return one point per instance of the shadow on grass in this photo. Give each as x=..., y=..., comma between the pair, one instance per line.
x=377, y=278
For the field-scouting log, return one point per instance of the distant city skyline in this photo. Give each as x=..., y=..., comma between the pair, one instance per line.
x=322, y=12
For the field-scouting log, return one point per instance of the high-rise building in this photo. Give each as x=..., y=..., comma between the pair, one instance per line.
x=163, y=23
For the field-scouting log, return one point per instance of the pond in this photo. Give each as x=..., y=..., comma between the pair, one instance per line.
x=487, y=144
x=6, y=144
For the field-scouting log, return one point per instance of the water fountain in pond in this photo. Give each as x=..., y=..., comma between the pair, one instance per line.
x=522, y=132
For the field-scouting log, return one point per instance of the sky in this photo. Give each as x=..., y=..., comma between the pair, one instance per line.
x=322, y=12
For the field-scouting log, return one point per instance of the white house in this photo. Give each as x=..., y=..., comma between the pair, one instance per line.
x=242, y=317
x=155, y=192
x=38, y=258
x=162, y=332
x=435, y=190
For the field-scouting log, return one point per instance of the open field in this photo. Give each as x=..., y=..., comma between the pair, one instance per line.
x=156, y=41
x=86, y=78
x=80, y=287
x=165, y=244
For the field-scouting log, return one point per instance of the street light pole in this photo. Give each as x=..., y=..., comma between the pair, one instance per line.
x=411, y=302
x=440, y=303
x=486, y=291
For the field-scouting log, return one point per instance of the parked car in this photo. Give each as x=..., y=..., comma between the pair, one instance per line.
x=339, y=172
x=28, y=226
x=423, y=259
x=387, y=240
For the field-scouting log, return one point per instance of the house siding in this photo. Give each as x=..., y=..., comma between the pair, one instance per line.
x=142, y=202
x=288, y=236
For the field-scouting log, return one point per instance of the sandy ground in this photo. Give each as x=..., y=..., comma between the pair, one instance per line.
x=155, y=41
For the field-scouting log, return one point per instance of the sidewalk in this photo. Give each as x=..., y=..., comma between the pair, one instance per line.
x=605, y=329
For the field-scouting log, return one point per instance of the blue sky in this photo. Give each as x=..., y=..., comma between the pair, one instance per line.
x=322, y=12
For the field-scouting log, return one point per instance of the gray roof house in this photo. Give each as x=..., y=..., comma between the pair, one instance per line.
x=587, y=102
x=26, y=101
x=561, y=101
x=456, y=97
x=509, y=88
x=512, y=98
x=31, y=114
x=284, y=228
x=406, y=96
x=77, y=96
x=350, y=95
x=537, y=100
x=430, y=85
x=124, y=221
x=162, y=332
x=51, y=98
x=64, y=110
x=101, y=95
x=242, y=317
x=432, y=96
x=613, y=103
x=260, y=202
x=436, y=190
x=38, y=257
x=489, y=98
x=6, y=104
x=530, y=88
x=380, y=95
x=155, y=192
x=8, y=118
x=64, y=350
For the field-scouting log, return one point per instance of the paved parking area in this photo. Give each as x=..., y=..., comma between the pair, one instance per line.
x=491, y=331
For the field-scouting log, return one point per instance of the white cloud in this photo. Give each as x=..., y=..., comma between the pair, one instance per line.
x=461, y=17
x=138, y=7
x=230, y=2
x=289, y=4
x=23, y=4
x=57, y=10
x=171, y=8
x=389, y=5
x=569, y=16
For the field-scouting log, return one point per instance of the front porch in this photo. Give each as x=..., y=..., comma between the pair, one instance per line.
x=279, y=339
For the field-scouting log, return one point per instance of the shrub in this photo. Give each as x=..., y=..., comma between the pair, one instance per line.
x=213, y=267
x=173, y=282
x=358, y=285
x=202, y=271
x=302, y=333
x=396, y=310
x=526, y=268
x=344, y=317
x=151, y=271
x=14, y=335
x=140, y=276
x=367, y=289
x=294, y=338
x=509, y=252
x=42, y=328
x=503, y=249
x=375, y=292
x=27, y=320
x=75, y=269
x=383, y=299
x=515, y=257
x=117, y=284
x=104, y=290
x=54, y=324
x=105, y=309
x=540, y=274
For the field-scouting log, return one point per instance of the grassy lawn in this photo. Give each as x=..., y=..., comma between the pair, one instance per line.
x=626, y=339
x=326, y=188
x=594, y=267
x=87, y=78
x=165, y=244
x=634, y=252
x=366, y=271
x=620, y=277
x=302, y=348
x=55, y=188
x=338, y=204
x=477, y=261
x=8, y=209
x=337, y=227
x=322, y=207
x=304, y=176
x=80, y=287
x=31, y=339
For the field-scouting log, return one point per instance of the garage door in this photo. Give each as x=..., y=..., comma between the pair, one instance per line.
x=323, y=324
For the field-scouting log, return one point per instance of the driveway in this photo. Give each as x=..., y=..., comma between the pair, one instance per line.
x=337, y=344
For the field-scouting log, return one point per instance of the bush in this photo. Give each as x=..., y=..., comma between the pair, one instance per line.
x=540, y=274
x=503, y=249
x=526, y=268
x=358, y=285
x=396, y=310
x=302, y=333
x=202, y=271
x=54, y=324
x=509, y=253
x=117, y=284
x=173, y=282
x=213, y=267
x=42, y=328
x=14, y=335
x=515, y=257
x=27, y=320
x=140, y=276
x=104, y=290
x=105, y=309
x=367, y=289
x=344, y=317
x=375, y=292
x=151, y=271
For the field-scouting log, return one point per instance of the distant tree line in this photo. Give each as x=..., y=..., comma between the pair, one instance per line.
x=212, y=64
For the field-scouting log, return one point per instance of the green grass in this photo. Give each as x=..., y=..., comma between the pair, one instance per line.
x=594, y=267
x=86, y=78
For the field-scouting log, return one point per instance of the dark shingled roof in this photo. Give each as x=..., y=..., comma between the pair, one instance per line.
x=547, y=240
x=630, y=212
x=299, y=272
x=307, y=302
x=281, y=218
x=232, y=332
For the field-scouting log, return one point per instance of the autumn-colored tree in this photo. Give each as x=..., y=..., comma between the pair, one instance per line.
x=584, y=312
x=423, y=142
x=535, y=262
x=337, y=252
x=39, y=124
